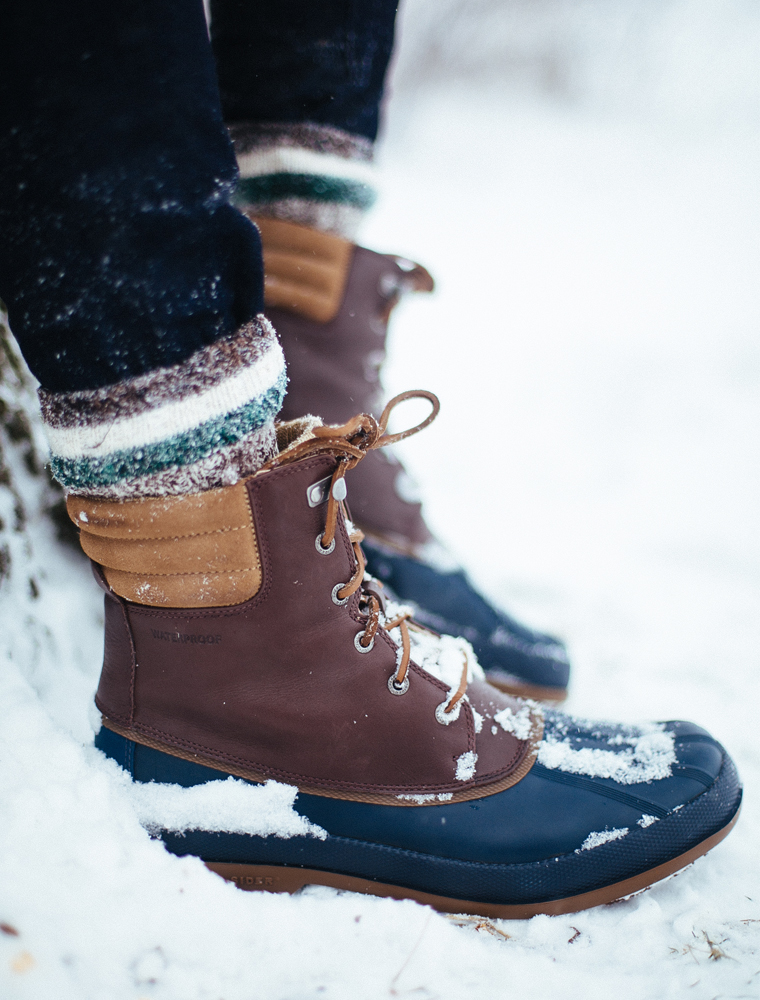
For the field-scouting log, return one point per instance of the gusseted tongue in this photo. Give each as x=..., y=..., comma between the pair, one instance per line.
x=291, y=433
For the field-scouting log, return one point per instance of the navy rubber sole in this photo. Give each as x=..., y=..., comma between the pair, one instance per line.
x=286, y=878
x=449, y=856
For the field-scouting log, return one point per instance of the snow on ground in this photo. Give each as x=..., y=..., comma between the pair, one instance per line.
x=595, y=345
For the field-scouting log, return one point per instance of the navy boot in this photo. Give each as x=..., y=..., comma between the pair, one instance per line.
x=605, y=811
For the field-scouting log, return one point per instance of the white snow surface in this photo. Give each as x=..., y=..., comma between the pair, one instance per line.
x=231, y=806
x=594, y=342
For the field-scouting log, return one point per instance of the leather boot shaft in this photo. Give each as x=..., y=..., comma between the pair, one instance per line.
x=278, y=686
x=330, y=302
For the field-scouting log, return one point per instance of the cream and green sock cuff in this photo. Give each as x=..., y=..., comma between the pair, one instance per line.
x=201, y=424
x=312, y=175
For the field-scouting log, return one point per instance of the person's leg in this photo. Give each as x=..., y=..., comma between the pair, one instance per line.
x=133, y=285
x=302, y=87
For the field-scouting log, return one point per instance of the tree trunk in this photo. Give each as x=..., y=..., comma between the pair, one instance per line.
x=27, y=492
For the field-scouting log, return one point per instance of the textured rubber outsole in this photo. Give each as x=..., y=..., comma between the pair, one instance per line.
x=281, y=878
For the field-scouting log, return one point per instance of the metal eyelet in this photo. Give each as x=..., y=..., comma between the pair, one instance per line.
x=320, y=547
x=339, y=600
x=446, y=718
x=398, y=689
x=357, y=642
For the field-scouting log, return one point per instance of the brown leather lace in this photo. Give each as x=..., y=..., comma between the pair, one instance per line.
x=349, y=443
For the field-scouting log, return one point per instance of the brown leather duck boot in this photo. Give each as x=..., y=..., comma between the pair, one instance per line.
x=330, y=302
x=239, y=635
x=243, y=639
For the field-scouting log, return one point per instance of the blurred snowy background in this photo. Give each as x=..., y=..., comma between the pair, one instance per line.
x=690, y=63
x=582, y=179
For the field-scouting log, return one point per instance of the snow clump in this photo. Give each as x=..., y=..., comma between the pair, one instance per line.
x=602, y=837
x=647, y=754
x=520, y=723
x=466, y=765
x=647, y=820
x=229, y=806
x=428, y=797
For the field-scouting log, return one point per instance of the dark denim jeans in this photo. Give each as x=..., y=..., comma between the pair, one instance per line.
x=321, y=61
x=120, y=250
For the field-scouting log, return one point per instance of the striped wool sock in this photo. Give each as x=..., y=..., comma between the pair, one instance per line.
x=201, y=424
x=313, y=175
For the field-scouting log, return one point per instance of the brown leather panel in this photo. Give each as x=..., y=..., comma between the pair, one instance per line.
x=333, y=372
x=163, y=517
x=284, y=692
x=228, y=549
x=277, y=234
x=198, y=590
x=305, y=270
x=189, y=551
x=290, y=269
x=374, y=798
x=115, y=696
x=305, y=301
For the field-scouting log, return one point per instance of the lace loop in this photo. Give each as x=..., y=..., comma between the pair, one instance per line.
x=385, y=439
x=373, y=622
